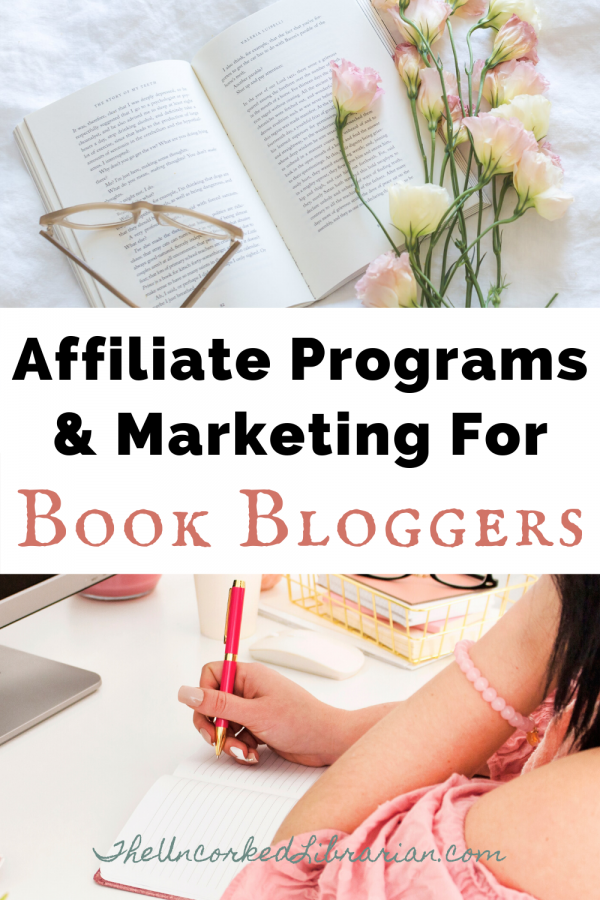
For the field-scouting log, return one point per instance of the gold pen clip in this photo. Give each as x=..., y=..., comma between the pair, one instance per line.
x=227, y=616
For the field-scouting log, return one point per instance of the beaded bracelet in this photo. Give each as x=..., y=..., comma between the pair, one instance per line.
x=481, y=684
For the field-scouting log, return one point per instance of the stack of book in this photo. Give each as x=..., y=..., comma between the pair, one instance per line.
x=416, y=617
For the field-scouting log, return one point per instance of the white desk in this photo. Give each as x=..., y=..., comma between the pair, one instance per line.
x=69, y=783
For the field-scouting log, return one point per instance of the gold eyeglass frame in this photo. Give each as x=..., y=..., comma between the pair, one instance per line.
x=231, y=233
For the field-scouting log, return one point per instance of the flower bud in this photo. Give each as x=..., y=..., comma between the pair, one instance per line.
x=388, y=282
x=431, y=98
x=409, y=64
x=515, y=40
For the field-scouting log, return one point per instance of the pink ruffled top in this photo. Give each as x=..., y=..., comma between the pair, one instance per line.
x=431, y=820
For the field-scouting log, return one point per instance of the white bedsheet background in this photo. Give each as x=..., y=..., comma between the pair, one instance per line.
x=51, y=48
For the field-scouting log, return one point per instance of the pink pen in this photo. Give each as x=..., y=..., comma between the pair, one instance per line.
x=233, y=624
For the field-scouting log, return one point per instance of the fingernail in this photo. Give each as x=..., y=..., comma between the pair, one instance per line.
x=252, y=757
x=206, y=736
x=238, y=753
x=191, y=696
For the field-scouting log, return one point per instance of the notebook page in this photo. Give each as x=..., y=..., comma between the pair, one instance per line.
x=273, y=774
x=151, y=134
x=202, y=818
x=268, y=78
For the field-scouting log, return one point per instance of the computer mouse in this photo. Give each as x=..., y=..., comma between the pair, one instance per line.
x=309, y=651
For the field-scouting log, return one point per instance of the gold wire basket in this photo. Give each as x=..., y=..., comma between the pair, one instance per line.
x=415, y=634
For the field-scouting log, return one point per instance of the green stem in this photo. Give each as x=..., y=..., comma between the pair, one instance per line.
x=432, y=132
x=413, y=105
x=463, y=258
x=340, y=133
x=432, y=296
x=445, y=254
x=461, y=218
x=549, y=303
x=484, y=72
x=456, y=67
x=452, y=209
x=497, y=236
x=479, y=219
x=444, y=164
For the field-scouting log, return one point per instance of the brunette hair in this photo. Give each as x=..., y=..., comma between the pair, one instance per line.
x=575, y=660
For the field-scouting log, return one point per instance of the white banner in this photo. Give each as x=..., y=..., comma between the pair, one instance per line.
x=299, y=440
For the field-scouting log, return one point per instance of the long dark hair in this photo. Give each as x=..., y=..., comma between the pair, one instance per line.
x=575, y=661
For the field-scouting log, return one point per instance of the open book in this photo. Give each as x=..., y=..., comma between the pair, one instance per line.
x=246, y=134
x=207, y=804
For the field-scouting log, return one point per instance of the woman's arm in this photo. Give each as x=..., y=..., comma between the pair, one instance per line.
x=545, y=825
x=276, y=711
x=445, y=727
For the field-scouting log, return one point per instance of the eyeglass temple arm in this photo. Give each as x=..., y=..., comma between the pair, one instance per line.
x=189, y=301
x=80, y=262
x=210, y=276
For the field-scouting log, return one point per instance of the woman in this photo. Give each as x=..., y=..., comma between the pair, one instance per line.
x=407, y=773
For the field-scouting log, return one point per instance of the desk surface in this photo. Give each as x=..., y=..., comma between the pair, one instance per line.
x=69, y=783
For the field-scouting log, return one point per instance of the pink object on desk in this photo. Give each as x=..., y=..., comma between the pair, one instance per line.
x=123, y=587
x=416, y=590
x=433, y=627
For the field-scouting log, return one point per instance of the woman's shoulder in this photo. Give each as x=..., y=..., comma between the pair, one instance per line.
x=545, y=823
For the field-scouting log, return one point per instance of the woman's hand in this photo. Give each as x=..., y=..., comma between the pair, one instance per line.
x=271, y=709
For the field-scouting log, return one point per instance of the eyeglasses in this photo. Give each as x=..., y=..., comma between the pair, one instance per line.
x=102, y=216
x=475, y=582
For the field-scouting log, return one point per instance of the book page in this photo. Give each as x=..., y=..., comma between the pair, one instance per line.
x=273, y=773
x=151, y=134
x=202, y=818
x=269, y=80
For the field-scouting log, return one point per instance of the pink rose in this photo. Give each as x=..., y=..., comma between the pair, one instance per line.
x=409, y=64
x=515, y=40
x=512, y=79
x=471, y=9
x=429, y=16
x=431, y=99
x=499, y=144
x=388, y=282
x=354, y=90
x=546, y=149
x=538, y=182
x=457, y=131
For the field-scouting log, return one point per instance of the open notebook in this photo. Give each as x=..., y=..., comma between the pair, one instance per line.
x=244, y=133
x=217, y=803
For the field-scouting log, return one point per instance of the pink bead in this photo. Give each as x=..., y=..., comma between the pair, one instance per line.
x=498, y=704
x=465, y=665
x=515, y=721
x=489, y=694
x=507, y=713
x=473, y=674
x=480, y=684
